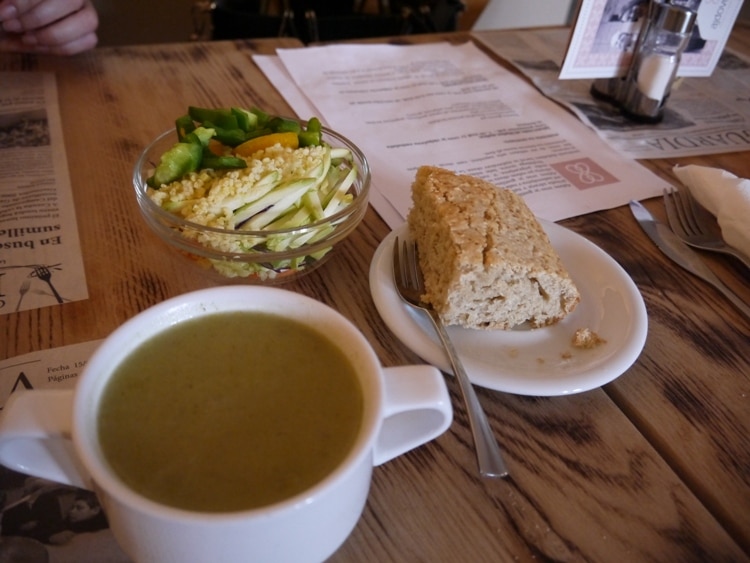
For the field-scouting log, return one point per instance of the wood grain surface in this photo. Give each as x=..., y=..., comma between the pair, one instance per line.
x=654, y=466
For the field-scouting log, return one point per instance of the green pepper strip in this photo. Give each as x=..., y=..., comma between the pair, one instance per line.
x=312, y=135
x=282, y=125
x=181, y=159
x=314, y=125
x=257, y=133
x=228, y=136
x=219, y=162
x=263, y=117
x=309, y=138
x=200, y=135
x=206, y=114
x=221, y=117
x=246, y=120
x=184, y=125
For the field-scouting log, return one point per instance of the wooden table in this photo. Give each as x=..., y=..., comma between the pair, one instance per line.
x=654, y=466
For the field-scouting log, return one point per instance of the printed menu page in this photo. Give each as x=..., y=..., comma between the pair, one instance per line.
x=40, y=255
x=453, y=106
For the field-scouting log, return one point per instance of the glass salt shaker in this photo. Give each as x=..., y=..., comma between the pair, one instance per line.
x=655, y=60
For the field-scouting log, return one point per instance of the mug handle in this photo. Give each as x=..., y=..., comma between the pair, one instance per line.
x=417, y=409
x=35, y=436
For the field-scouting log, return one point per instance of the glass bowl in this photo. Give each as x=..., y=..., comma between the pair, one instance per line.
x=252, y=256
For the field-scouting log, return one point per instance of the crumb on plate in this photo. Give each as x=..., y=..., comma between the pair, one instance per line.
x=586, y=338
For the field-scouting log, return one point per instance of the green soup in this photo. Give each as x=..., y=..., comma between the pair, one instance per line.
x=230, y=411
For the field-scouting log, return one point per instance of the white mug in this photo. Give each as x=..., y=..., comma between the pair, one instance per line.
x=404, y=408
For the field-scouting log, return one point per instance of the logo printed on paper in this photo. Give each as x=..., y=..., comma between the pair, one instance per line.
x=584, y=173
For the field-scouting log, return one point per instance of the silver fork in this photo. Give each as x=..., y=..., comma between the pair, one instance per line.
x=696, y=225
x=410, y=286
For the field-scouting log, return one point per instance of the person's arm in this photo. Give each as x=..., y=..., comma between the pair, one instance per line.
x=59, y=27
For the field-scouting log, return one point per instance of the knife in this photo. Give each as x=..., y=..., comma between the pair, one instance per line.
x=680, y=253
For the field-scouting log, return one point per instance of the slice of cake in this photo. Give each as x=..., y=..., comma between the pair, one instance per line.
x=486, y=260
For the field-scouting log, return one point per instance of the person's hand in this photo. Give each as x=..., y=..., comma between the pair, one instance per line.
x=59, y=27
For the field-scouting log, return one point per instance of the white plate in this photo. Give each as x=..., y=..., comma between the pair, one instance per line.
x=538, y=362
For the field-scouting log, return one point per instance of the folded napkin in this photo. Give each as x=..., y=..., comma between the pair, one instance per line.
x=726, y=196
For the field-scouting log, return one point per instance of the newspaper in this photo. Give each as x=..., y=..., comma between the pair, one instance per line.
x=40, y=256
x=38, y=519
x=606, y=31
x=706, y=115
x=453, y=106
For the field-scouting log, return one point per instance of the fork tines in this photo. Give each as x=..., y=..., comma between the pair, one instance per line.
x=686, y=217
x=695, y=225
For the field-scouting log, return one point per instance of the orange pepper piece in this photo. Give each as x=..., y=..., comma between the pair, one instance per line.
x=216, y=147
x=250, y=147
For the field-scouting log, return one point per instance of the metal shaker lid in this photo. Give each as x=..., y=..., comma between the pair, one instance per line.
x=672, y=18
